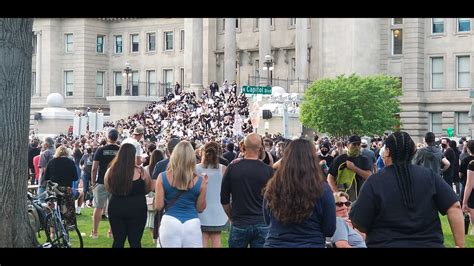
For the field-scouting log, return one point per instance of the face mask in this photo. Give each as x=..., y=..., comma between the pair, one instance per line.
x=444, y=145
x=89, y=150
x=353, y=152
x=324, y=152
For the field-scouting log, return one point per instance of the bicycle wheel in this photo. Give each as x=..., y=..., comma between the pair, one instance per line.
x=74, y=237
x=53, y=230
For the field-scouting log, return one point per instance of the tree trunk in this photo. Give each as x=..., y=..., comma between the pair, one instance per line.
x=15, y=86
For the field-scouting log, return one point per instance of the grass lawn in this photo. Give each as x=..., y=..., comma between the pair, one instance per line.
x=85, y=226
x=84, y=222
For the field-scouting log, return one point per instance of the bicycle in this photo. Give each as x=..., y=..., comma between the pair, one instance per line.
x=58, y=234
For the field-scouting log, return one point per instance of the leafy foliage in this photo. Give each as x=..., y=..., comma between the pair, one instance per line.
x=352, y=105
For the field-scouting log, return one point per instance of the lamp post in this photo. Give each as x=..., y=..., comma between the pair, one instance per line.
x=127, y=73
x=268, y=67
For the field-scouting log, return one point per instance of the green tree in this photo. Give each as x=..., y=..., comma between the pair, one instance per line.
x=15, y=93
x=352, y=105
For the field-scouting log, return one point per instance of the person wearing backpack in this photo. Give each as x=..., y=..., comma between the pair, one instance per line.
x=430, y=156
x=349, y=171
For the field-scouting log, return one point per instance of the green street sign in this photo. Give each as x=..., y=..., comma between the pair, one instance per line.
x=257, y=89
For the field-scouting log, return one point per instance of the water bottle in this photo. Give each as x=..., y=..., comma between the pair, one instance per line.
x=467, y=221
x=325, y=168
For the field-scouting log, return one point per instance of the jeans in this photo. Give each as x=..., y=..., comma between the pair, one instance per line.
x=86, y=183
x=243, y=236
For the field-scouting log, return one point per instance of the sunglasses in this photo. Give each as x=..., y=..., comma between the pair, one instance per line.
x=340, y=204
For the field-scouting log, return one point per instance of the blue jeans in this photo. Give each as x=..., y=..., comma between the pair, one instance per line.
x=243, y=236
x=86, y=183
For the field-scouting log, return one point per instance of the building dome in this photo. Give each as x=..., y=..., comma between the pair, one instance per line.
x=276, y=90
x=55, y=100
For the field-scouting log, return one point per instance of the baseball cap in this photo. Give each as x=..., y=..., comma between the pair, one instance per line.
x=364, y=142
x=138, y=131
x=354, y=139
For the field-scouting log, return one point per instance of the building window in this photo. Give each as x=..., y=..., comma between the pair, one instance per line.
x=35, y=40
x=168, y=79
x=462, y=124
x=69, y=83
x=118, y=44
x=397, y=42
x=223, y=24
x=401, y=82
x=397, y=21
x=100, y=44
x=257, y=67
x=437, y=25
x=437, y=73
x=33, y=83
x=118, y=83
x=181, y=40
x=151, y=39
x=151, y=82
x=293, y=69
x=135, y=82
x=463, y=71
x=436, y=125
x=293, y=22
x=271, y=22
x=464, y=24
x=255, y=26
x=181, y=77
x=168, y=38
x=69, y=41
x=135, y=40
x=237, y=24
x=99, y=87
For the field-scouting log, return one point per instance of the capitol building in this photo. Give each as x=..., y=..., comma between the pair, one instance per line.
x=89, y=61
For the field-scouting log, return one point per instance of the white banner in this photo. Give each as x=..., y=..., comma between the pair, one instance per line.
x=100, y=121
x=76, y=126
x=83, y=126
x=92, y=122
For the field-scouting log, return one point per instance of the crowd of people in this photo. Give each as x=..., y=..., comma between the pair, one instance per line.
x=197, y=160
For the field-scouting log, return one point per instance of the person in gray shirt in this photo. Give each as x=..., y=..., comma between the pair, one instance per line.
x=369, y=154
x=345, y=236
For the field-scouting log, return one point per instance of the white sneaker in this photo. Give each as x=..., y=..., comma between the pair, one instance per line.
x=93, y=236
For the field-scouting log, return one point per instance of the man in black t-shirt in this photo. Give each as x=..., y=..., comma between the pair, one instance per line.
x=102, y=159
x=448, y=153
x=244, y=181
x=325, y=160
x=355, y=162
x=463, y=166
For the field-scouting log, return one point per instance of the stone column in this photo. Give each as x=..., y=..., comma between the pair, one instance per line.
x=193, y=53
x=264, y=46
x=229, y=50
x=196, y=65
x=38, y=62
x=188, y=52
x=301, y=48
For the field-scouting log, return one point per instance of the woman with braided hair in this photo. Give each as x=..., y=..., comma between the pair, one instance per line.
x=398, y=206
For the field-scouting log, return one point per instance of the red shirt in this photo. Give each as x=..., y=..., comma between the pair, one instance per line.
x=36, y=160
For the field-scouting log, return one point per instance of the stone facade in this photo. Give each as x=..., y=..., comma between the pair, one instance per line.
x=334, y=46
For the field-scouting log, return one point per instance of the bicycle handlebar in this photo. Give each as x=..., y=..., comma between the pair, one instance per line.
x=53, y=187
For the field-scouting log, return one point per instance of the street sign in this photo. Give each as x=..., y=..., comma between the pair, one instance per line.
x=257, y=89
